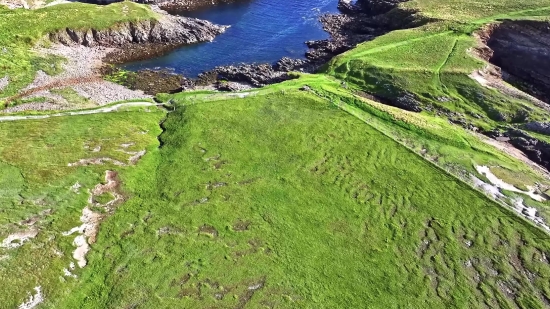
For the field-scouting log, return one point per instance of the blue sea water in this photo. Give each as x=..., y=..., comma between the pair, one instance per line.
x=261, y=31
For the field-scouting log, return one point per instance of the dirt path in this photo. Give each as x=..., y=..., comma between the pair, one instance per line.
x=107, y=109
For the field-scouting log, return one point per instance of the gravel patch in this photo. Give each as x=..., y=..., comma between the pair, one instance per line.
x=105, y=92
x=80, y=73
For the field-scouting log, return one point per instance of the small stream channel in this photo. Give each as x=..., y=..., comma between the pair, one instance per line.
x=262, y=31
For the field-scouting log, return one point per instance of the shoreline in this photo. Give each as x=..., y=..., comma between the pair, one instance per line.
x=86, y=53
x=353, y=25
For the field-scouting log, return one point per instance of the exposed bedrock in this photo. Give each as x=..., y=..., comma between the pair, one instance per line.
x=375, y=7
x=535, y=149
x=174, y=6
x=259, y=75
x=180, y=6
x=522, y=50
x=168, y=29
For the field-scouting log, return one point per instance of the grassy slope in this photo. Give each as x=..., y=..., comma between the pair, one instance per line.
x=433, y=61
x=34, y=177
x=328, y=201
x=21, y=29
x=337, y=215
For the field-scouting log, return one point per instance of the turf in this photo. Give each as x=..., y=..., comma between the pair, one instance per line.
x=36, y=184
x=285, y=200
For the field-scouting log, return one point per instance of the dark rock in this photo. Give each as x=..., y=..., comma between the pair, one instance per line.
x=536, y=150
x=376, y=7
x=539, y=127
x=522, y=50
x=408, y=102
x=288, y=65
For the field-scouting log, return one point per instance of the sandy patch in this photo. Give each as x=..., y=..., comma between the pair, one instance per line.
x=34, y=300
x=16, y=240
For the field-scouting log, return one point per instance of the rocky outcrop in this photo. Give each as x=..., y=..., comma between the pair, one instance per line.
x=535, y=149
x=539, y=127
x=167, y=29
x=257, y=75
x=376, y=7
x=179, y=6
x=522, y=50
x=360, y=22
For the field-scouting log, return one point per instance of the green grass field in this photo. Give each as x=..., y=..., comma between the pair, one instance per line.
x=36, y=186
x=279, y=199
x=275, y=197
x=285, y=200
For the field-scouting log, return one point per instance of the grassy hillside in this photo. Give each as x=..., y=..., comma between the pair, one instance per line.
x=278, y=199
x=476, y=11
x=40, y=190
x=304, y=194
x=433, y=62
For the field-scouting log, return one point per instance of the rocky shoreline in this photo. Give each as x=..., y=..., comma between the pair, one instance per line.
x=356, y=23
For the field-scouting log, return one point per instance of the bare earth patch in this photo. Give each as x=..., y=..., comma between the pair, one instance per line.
x=96, y=161
x=4, y=82
x=91, y=220
x=34, y=300
x=18, y=239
